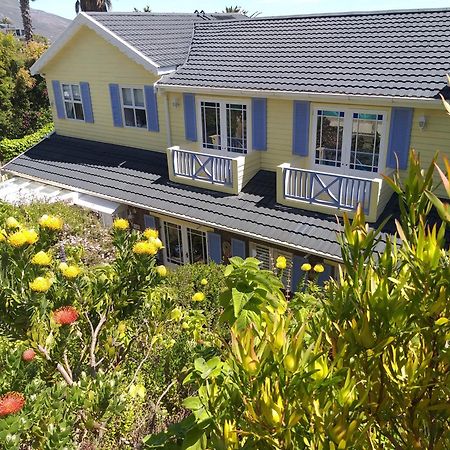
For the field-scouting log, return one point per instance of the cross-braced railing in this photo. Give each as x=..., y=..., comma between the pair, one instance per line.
x=339, y=191
x=204, y=167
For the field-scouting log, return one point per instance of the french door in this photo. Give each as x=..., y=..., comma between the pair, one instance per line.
x=183, y=245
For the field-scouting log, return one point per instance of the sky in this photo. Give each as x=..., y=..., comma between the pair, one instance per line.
x=66, y=8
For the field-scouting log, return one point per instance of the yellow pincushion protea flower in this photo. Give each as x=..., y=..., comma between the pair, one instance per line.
x=306, y=267
x=70, y=272
x=156, y=242
x=40, y=284
x=281, y=262
x=53, y=223
x=42, y=259
x=319, y=268
x=151, y=233
x=162, y=271
x=11, y=222
x=121, y=224
x=198, y=297
x=204, y=282
x=18, y=239
x=145, y=248
x=31, y=236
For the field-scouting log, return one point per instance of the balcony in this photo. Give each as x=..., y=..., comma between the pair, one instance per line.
x=210, y=171
x=331, y=193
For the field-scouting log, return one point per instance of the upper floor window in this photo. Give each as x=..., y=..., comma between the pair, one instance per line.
x=224, y=126
x=73, y=104
x=133, y=105
x=349, y=140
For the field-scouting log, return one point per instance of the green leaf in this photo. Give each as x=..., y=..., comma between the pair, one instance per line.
x=441, y=321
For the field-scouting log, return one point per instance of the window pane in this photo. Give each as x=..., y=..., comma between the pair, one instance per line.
x=129, y=117
x=197, y=246
x=127, y=98
x=237, y=128
x=138, y=97
x=174, y=246
x=79, y=111
x=211, y=124
x=366, y=140
x=66, y=92
x=70, y=114
x=141, y=118
x=330, y=126
x=76, y=92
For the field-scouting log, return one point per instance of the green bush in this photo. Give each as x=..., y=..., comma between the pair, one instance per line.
x=10, y=148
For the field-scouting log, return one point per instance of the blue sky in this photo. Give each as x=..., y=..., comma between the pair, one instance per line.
x=267, y=7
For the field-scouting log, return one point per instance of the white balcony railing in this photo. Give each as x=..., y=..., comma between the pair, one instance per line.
x=219, y=172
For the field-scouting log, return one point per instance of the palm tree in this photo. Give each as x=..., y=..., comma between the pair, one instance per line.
x=92, y=5
x=234, y=9
x=26, y=19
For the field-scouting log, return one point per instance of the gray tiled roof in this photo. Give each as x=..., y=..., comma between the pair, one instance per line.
x=162, y=37
x=392, y=53
x=140, y=177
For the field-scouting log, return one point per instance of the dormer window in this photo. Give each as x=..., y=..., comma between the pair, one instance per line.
x=73, y=104
x=133, y=106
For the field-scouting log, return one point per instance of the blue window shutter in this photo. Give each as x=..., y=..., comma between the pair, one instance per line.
x=300, y=137
x=151, y=105
x=116, y=105
x=297, y=273
x=259, y=123
x=87, y=103
x=399, y=137
x=325, y=275
x=59, y=102
x=149, y=221
x=190, y=120
x=238, y=248
x=215, y=247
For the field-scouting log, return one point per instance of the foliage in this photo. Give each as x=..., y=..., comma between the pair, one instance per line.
x=93, y=5
x=146, y=9
x=446, y=103
x=368, y=368
x=23, y=97
x=10, y=148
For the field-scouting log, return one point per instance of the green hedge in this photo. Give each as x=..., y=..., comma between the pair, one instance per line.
x=10, y=148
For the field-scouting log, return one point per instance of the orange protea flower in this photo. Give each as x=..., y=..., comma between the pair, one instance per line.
x=65, y=315
x=11, y=403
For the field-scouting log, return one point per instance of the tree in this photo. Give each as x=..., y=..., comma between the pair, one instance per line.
x=93, y=5
x=26, y=19
x=234, y=9
x=146, y=9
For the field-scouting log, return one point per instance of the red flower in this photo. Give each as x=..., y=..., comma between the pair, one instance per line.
x=11, y=403
x=28, y=355
x=65, y=315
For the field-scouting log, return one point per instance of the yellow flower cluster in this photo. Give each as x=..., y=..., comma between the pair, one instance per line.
x=23, y=237
x=162, y=271
x=150, y=233
x=69, y=272
x=42, y=259
x=40, y=284
x=281, y=263
x=198, y=297
x=145, y=248
x=121, y=224
x=53, y=223
x=11, y=222
x=318, y=268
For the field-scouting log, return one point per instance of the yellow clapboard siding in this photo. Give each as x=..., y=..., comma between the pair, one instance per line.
x=88, y=57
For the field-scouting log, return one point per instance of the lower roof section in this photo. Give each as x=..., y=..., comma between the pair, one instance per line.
x=140, y=178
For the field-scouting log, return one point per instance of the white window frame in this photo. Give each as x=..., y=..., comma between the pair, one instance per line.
x=223, y=150
x=344, y=169
x=134, y=107
x=72, y=100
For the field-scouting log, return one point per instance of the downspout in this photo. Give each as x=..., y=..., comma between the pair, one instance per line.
x=167, y=114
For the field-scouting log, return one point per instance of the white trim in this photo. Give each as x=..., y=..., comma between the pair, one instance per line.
x=300, y=95
x=84, y=19
x=73, y=101
x=183, y=217
x=133, y=106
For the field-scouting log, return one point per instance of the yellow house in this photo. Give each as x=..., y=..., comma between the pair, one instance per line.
x=238, y=136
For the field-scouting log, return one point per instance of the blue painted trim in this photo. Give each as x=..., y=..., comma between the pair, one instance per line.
x=190, y=119
x=325, y=275
x=215, y=247
x=238, y=248
x=116, y=106
x=259, y=124
x=87, y=102
x=400, y=137
x=149, y=221
x=297, y=273
x=59, y=102
x=300, y=137
x=151, y=105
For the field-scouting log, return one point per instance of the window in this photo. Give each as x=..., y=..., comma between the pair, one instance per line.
x=349, y=139
x=72, y=101
x=134, y=107
x=173, y=243
x=197, y=246
x=224, y=126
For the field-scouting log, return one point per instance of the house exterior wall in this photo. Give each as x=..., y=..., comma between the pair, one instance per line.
x=88, y=57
